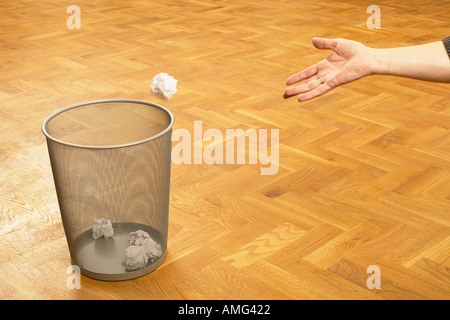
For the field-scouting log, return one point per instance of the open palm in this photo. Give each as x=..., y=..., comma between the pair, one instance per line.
x=348, y=61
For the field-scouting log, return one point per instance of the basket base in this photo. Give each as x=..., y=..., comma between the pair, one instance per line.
x=102, y=259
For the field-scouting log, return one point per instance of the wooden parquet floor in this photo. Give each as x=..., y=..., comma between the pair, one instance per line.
x=364, y=171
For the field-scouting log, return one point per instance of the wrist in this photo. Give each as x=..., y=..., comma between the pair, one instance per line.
x=379, y=63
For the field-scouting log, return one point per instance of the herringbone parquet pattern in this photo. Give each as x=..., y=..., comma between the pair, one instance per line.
x=364, y=175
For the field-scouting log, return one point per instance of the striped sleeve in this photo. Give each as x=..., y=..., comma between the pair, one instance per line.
x=446, y=42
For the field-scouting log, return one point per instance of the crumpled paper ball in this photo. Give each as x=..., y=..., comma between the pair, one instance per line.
x=141, y=249
x=137, y=238
x=135, y=258
x=102, y=228
x=164, y=86
x=152, y=249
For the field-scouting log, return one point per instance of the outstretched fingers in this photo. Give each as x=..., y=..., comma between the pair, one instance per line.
x=327, y=44
x=320, y=76
x=318, y=91
x=311, y=84
x=302, y=75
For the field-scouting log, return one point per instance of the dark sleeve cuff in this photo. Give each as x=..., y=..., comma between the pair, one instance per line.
x=446, y=42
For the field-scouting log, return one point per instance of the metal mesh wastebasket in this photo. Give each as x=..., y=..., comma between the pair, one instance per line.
x=111, y=159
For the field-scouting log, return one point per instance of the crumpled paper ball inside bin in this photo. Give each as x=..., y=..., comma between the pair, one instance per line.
x=102, y=228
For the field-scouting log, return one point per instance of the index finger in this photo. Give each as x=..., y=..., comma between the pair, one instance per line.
x=302, y=75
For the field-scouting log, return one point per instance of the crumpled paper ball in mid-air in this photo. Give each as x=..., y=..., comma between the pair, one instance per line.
x=164, y=86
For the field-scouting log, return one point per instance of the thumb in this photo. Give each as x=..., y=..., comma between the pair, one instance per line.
x=322, y=43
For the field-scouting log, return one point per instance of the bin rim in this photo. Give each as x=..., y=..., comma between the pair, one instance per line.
x=82, y=104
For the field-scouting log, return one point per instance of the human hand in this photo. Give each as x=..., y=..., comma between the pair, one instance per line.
x=349, y=60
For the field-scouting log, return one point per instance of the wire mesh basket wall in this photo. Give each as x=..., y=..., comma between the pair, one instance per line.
x=111, y=162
